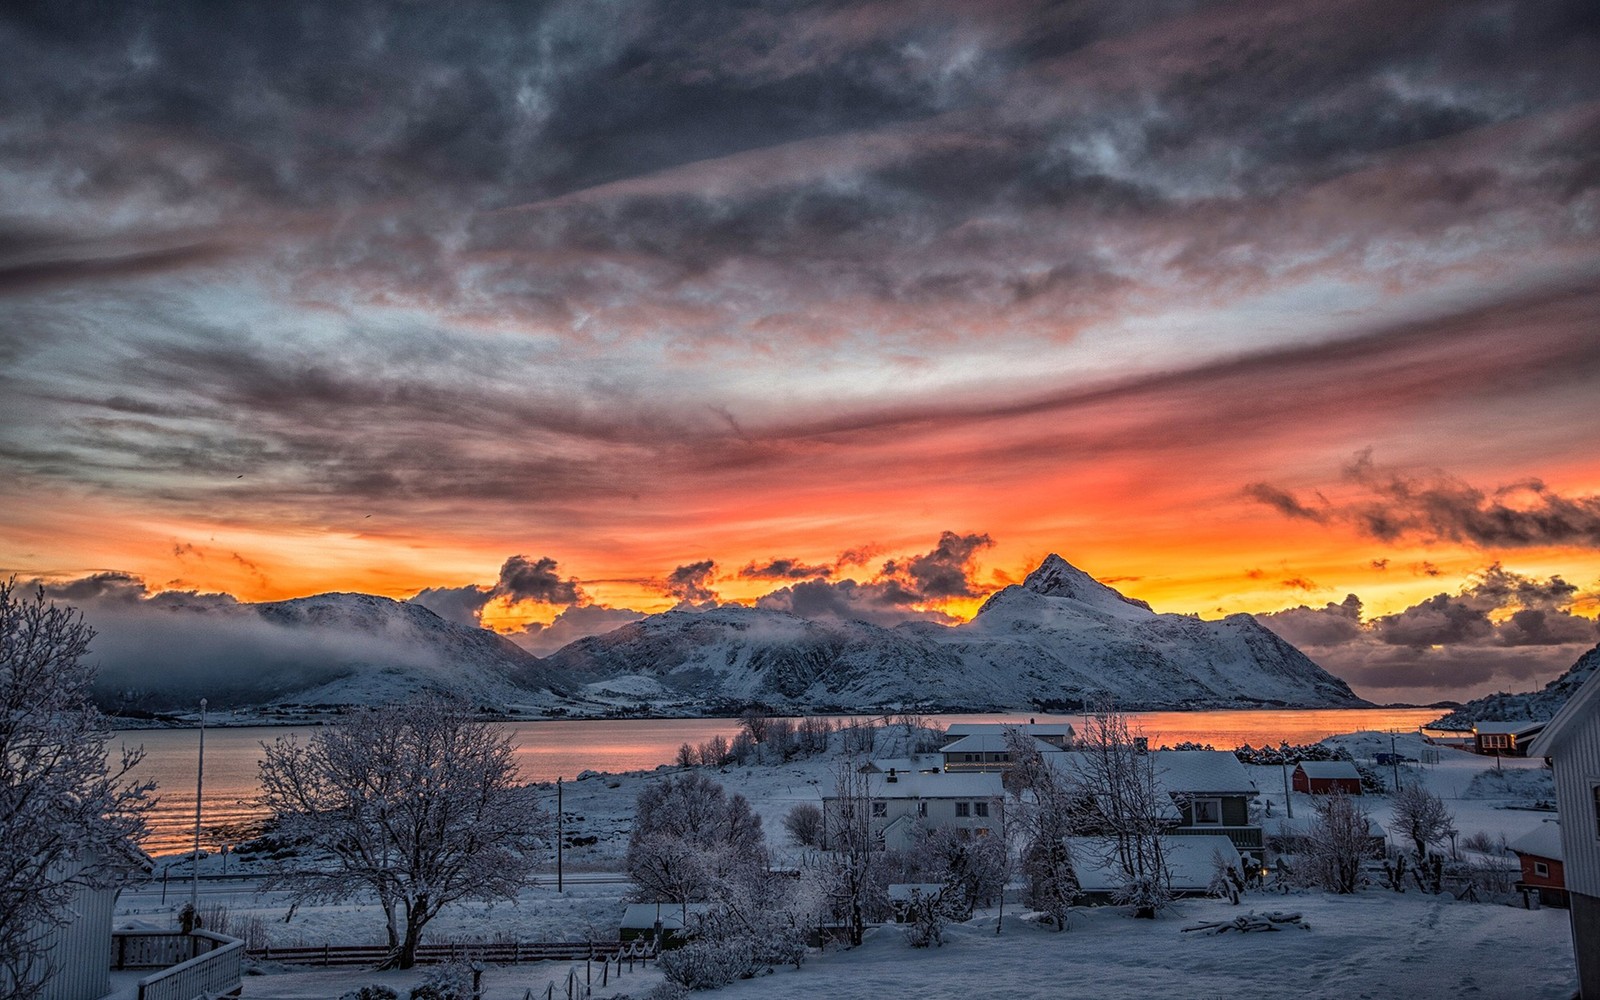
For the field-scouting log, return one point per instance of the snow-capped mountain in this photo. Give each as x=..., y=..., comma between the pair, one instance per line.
x=330, y=649
x=1532, y=705
x=1061, y=639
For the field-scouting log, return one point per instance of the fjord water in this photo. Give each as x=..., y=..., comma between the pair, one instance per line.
x=551, y=749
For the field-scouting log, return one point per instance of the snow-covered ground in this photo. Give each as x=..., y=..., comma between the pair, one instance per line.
x=1377, y=943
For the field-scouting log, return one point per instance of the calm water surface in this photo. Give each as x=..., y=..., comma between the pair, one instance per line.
x=547, y=750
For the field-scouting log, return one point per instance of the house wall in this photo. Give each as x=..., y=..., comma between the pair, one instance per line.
x=1235, y=810
x=1555, y=880
x=80, y=951
x=1576, y=763
x=959, y=762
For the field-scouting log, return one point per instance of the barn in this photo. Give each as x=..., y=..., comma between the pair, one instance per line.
x=1324, y=777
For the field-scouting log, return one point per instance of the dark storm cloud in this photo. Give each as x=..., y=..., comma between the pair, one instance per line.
x=1439, y=507
x=783, y=569
x=521, y=579
x=1499, y=626
x=692, y=582
x=944, y=572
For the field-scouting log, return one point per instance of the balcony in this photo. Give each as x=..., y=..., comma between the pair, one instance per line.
x=1245, y=838
x=188, y=966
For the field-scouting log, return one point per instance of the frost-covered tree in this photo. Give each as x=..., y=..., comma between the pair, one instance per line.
x=853, y=867
x=1045, y=812
x=67, y=818
x=693, y=842
x=1337, y=842
x=1118, y=776
x=417, y=805
x=1420, y=816
x=804, y=824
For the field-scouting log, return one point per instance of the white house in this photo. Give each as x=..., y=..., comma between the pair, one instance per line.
x=901, y=803
x=1059, y=734
x=1572, y=743
x=986, y=752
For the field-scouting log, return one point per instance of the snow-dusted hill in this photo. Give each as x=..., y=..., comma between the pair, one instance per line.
x=1534, y=705
x=1060, y=639
x=330, y=649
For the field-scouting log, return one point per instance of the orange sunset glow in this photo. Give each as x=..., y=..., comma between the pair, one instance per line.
x=1239, y=308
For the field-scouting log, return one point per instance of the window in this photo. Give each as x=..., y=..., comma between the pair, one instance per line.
x=880, y=810
x=1541, y=869
x=922, y=810
x=1207, y=812
x=961, y=809
x=1496, y=741
x=980, y=808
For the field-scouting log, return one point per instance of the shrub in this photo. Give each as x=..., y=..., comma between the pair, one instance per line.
x=708, y=964
x=804, y=823
x=371, y=991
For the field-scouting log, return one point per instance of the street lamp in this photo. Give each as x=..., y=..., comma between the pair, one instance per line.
x=199, y=788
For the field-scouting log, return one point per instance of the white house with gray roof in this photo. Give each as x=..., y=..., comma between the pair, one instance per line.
x=900, y=804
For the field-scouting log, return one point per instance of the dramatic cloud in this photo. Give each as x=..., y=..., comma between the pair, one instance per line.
x=521, y=579
x=784, y=569
x=944, y=572
x=570, y=625
x=692, y=582
x=1440, y=507
x=1501, y=626
x=890, y=597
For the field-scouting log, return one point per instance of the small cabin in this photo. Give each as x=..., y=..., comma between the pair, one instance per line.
x=1505, y=739
x=1326, y=777
x=1542, y=872
x=647, y=920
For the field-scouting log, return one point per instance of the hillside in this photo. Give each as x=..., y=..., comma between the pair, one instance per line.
x=1534, y=705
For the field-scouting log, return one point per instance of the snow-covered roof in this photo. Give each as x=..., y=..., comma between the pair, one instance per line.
x=903, y=765
x=992, y=743
x=1031, y=728
x=1329, y=769
x=985, y=785
x=1581, y=706
x=1192, y=772
x=1543, y=841
x=1520, y=727
x=1188, y=861
x=643, y=916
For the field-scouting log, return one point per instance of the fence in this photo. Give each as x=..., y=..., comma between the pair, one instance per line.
x=500, y=953
x=192, y=966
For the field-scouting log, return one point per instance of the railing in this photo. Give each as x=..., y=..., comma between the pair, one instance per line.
x=1245, y=838
x=193, y=966
x=498, y=953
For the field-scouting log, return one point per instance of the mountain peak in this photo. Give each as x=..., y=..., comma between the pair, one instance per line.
x=1056, y=577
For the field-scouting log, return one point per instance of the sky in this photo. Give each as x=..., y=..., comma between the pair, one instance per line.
x=549, y=315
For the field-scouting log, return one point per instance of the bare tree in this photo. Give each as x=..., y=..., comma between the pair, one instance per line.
x=418, y=806
x=1118, y=775
x=854, y=865
x=714, y=752
x=1045, y=811
x=755, y=720
x=1421, y=817
x=1336, y=844
x=67, y=819
x=804, y=823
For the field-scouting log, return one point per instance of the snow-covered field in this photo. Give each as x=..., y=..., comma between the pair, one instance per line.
x=1376, y=943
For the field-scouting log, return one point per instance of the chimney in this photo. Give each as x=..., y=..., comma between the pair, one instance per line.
x=891, y=775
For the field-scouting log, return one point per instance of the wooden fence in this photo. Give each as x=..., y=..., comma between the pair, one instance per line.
x=193, y=966
x=498, y=953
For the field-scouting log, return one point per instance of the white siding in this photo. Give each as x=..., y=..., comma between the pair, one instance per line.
x=80, y=952
x=1577, y=772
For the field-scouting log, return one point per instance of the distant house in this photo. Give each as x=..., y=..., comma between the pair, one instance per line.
x=985, y=752
x=901, y=804
x=1206, y=793
x=1572, y=742
x=1058, y=734
x=1542, y=871
x=1190, y=864
x=1325, y=777
x=921, y=763
x=1505, y=739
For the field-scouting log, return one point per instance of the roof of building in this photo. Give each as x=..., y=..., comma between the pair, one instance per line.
x=1329, y=769
x=1583, y=705
x=1188, y=861
x=1520, y=727
x=643, y=916
x=1181, y=772
x=979, y=785
x=1032, y=728
x=992, y=743
x=904, y=765
x=1542, y=841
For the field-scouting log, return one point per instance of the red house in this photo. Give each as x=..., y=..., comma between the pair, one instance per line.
x=1324, y=777
x=1540, y=854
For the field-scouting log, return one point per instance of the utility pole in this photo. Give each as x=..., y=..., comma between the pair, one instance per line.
x=561, y=835
x=199, y=790
x=1288, y=797
x=1394, y=761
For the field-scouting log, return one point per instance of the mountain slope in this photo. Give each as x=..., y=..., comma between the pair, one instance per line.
x=1060, y=639
x=329, y=649
x=1533, y=705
